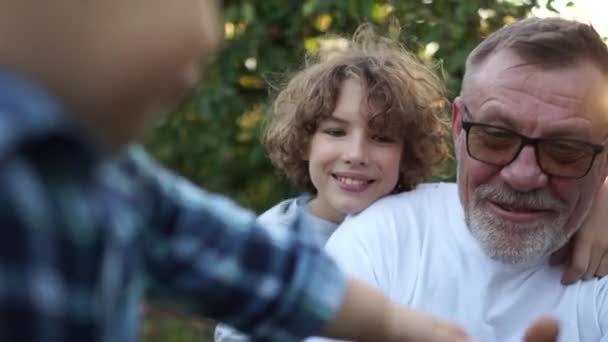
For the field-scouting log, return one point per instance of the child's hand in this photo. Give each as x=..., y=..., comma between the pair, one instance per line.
x=588, y=249
x=543, y=330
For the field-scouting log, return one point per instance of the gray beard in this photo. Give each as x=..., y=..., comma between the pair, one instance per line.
x=515, y=243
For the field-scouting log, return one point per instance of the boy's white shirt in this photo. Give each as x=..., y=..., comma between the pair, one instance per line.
x=416, y=248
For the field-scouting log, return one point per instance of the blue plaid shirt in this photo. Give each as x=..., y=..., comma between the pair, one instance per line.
x=86, y=234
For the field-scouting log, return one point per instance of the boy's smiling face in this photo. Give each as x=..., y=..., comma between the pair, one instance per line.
x=116, y=65
x=349, y=165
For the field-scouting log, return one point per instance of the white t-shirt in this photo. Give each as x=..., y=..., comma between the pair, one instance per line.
x=416, y=248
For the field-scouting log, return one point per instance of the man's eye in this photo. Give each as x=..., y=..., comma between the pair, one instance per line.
x=496, y=137
x=567, y=152
x=497, y=133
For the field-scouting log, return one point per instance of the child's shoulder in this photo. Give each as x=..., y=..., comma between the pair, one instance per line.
x=284, y=212
x=29, y=115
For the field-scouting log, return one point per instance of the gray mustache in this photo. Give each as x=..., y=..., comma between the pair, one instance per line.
x=506, y=196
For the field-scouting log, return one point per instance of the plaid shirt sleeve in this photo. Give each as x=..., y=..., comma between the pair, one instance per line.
x=82, y=232
x=74, y=253
x=48, y=269
x=213, y=258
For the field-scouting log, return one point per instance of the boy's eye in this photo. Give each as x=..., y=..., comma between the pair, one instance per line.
x=334, y=132
x=383, y=139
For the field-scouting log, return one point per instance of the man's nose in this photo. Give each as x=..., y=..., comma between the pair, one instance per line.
x=524, y=174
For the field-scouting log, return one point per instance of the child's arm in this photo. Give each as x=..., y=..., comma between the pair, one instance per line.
x=544, y=329
x=588, y=249
x=367, y=315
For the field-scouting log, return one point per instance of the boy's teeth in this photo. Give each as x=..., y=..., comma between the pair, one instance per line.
x=350, y=181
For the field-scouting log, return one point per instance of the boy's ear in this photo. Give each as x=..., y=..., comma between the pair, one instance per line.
x=305, y=153
x=305, y=156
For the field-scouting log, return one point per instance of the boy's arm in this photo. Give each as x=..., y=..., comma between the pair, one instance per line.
x=587, y=252
x=212, y=257
x=406, y=325
x=367, y=315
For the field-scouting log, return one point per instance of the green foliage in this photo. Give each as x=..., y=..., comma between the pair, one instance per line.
x=160, y=326
x=214, y=138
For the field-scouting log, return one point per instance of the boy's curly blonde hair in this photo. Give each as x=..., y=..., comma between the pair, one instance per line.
x=406, y=97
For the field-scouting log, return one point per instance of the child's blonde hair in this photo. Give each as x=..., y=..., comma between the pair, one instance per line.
x=405, y=96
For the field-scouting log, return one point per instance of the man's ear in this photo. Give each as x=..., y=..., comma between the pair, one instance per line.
x=456, y=118
x=605, y=170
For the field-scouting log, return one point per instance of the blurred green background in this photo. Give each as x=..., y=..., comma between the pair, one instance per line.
x=214, y=139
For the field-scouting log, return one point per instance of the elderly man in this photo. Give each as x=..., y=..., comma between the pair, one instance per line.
x=530, y=129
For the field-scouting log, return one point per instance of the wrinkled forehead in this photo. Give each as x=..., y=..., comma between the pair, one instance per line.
x=579, y=89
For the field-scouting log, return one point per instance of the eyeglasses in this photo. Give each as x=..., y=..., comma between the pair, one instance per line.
x=564, y=158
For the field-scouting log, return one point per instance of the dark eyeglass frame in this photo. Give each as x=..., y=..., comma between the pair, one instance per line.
x=525, y=141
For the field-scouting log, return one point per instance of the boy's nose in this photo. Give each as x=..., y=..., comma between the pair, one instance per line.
x=356, y=153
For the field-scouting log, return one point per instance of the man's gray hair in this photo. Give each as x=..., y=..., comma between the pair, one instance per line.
x=546, y=42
